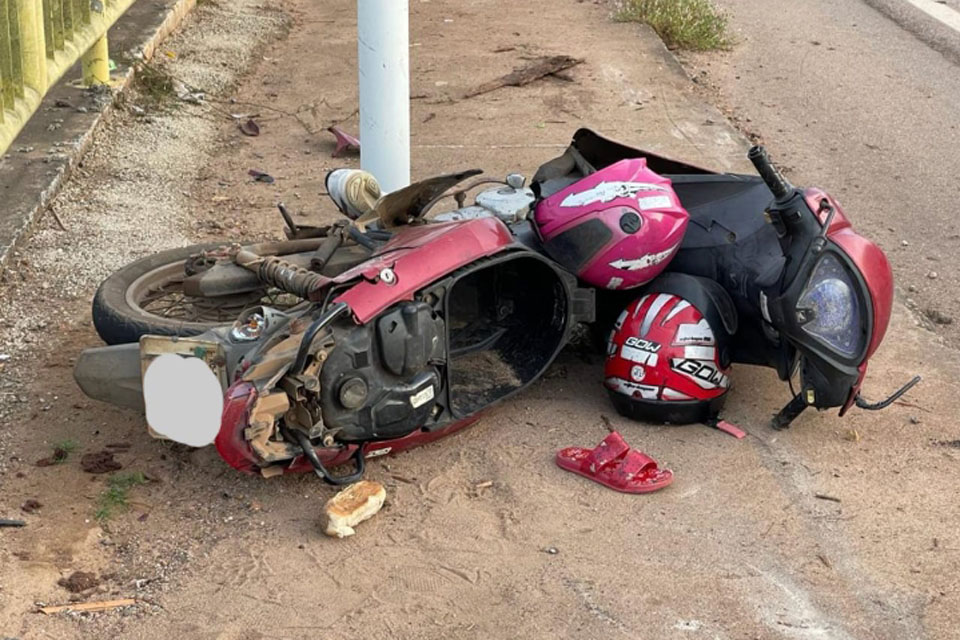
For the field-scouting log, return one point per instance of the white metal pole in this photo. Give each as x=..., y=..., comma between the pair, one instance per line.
x=383, y=62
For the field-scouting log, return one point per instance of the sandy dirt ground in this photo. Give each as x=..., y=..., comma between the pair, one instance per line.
x=739, y=547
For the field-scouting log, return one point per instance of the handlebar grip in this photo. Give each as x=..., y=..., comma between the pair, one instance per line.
x=781, y=188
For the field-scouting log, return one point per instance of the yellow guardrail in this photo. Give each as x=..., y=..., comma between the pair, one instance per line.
x=39, y=41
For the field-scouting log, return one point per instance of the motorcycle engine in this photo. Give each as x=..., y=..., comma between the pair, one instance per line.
x=381, y=379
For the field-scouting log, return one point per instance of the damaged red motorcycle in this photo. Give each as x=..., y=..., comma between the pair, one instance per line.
x=398, y=325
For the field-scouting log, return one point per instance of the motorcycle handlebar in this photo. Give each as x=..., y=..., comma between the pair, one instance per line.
x=781, y=188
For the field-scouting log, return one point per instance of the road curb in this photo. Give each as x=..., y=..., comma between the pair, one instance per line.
x=28, y=183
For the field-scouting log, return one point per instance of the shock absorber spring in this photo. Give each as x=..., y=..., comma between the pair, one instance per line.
x=281, y=274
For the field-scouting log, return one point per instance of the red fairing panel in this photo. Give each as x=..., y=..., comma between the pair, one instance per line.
x=419, y=255
x=873, y=265
x=236, y=451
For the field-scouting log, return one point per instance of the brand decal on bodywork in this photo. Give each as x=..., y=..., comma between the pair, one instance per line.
x=607, y=191
x=644, y=261
x=421, y=397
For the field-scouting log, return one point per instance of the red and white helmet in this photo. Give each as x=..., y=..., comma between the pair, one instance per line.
x=664, y=362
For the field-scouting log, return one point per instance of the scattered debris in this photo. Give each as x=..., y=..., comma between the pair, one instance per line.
x=61, y=451
x=345, y=141
x=826, y=562
x=824, y=496
x=249, y=128
x=89, y=606
x=6, y=522
x=99, y=462
x=953, y=444
x=937, y=317
x=852, y=435
x=430, y=116
x=353, y=505
x=531, y=72
x=933, y=275
x=730, y=428
x=79, y=581
x=30, y=506
x=260, y=176
x=551, y=550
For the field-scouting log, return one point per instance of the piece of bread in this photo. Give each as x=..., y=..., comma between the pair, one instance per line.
x=352, y=506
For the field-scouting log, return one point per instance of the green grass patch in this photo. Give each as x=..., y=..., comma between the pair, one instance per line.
x=63, y=449
x=683, y=24
x=115, y=497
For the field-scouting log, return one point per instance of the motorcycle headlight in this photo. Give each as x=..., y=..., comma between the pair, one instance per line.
x=829, y=307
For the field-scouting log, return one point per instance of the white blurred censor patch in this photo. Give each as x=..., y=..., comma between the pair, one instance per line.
x=183, y=399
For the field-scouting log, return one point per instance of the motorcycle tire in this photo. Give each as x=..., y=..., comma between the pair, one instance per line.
x=117, y=316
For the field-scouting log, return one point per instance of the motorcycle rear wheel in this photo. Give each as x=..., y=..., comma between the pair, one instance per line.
x=146, y=297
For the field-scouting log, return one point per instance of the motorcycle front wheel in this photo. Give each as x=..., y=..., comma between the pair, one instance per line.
x=147, y=297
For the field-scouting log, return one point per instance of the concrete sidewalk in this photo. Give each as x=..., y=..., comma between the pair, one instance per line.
x=739, y=547
x=55, y=139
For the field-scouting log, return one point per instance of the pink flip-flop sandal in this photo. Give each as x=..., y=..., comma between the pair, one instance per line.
x=615, y=465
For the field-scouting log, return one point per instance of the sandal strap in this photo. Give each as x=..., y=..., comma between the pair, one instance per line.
x=607, y=452
x=635, y=463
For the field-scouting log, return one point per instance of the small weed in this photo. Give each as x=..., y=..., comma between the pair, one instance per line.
x=154, y=86
x=63, y=449
x=683, y=24
x=114, y=497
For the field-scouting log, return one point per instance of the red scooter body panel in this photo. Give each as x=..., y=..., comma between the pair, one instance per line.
x=419, y=255
x=874, y=267
x=236, y=451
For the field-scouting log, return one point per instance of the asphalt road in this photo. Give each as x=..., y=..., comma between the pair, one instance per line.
x=861, y=97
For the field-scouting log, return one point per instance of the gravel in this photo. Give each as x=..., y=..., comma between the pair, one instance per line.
x=130, y=196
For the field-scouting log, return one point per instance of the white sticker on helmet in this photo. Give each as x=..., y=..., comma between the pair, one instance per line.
x=637, y=372
x=680, y=306
x=700, y=353
x=654, y=202
x=620, y=320
x=704, y=373
x=614, y=283
x=607, y=191
x=699, y=333
x=644, y=261
x=673, y=394
x=639, y=356
x=645, y=391
x=658, y=304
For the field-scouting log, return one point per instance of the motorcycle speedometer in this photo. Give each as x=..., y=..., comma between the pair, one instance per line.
x=829, y=307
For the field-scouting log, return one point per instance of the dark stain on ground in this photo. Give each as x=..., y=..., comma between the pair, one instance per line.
x=99, y=462
x=30, y=506
x=58, y=456
x=79, y=581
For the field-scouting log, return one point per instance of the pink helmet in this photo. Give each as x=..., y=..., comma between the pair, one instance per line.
x=616, y=228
